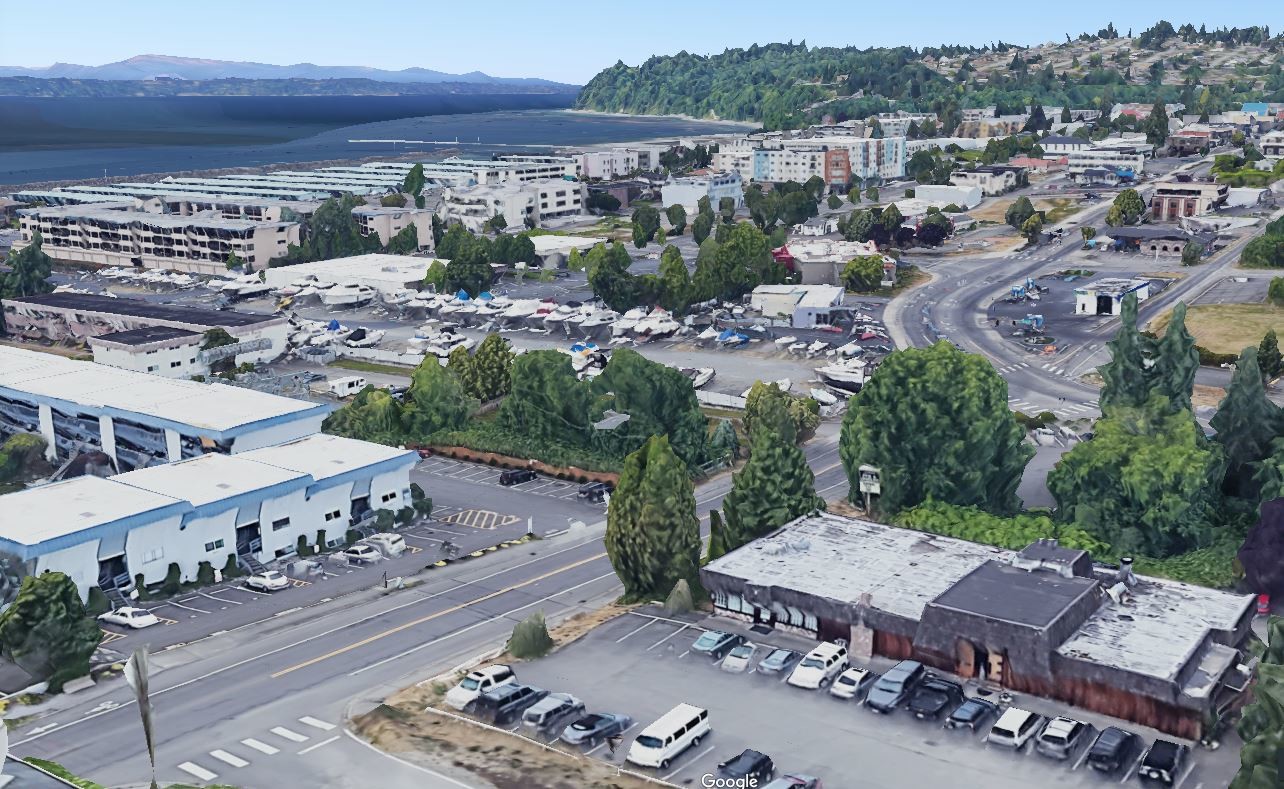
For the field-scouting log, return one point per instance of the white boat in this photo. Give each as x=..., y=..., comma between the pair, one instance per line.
x=558, y=316
x=628, y=321
x=439, y=342
x=658, y=324
x=708, y=335
x=362, y=337
x=784, y=384
x=537, y=317
x=246, y=287
x=849, y=375
x=852, y=348
x=598, y=321
x=816, y=347
x=699, y=376
x=329, y=336
x=517, y=312
x=347, y=295
x=785, y=342
x=823, y=397
x=798, y=347
x=400, y=297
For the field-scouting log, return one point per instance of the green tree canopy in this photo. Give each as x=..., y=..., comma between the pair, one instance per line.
x=469, y=269
x=487, y=375
x=1176, y=361
x=1126, y=209
x=30, y=269
x=405, y=242
x=1268, y=355
x=372, y=415
x=333, y=232
x=414, y=183
x=1126, y=377
x=1014, y=532
x=958, y=444
x=435, y=401
x=1246, y=423
x=675, y=292
x=546, y=402
x=1017, y=213
x=701, y=227
x=46, y=631
x=801, y=414
x=677, y=216
x=863, y=273
x=659, y=401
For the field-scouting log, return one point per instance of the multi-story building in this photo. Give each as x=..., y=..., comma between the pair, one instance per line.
x=1055, y=145
x=114, y=235
x=896, y=124
x=531, y=203
x=991, y=179
x=687, y=192
x=1115, y=155
x=1272, y=144
x=608, y=164
x=1173, y=200
x=386, y=222
x=839, y=160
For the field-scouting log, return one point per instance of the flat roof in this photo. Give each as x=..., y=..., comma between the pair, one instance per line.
x=130, y=217
x=324, y=456
x=548, y=244
x=210, y=478
x=997, y=590
x=138, y=308
x=35, y=515
x=815, y=296
x=1116, y=286
x=398, y=269
x=146, y=335
x=207, y=408
x=833, y=557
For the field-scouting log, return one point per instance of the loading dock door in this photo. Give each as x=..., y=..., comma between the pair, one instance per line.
x=1105, y=305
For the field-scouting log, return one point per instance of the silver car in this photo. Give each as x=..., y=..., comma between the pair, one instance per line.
x=552, y=711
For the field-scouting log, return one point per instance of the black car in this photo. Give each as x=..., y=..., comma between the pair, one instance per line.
x=506, y=703
x=716, y=644
x=1113, y=749
x=1163, y=763
x=595, y=491
x=516, y=476
x=933, y=697
x=749, y=764
x=972, y=714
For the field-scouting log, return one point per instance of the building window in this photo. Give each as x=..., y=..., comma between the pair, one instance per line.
x=178, y=363
x=151, y=368
x=330, y=516
x=153, y=554
x=213, y=546
x=388, y=496
x=280, y=523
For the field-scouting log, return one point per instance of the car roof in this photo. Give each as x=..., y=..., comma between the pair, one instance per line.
x=1013, y=716
x=825, y=649
x=904, y=667
x=1163, y=749
x=488, y=670
x=1061, y=725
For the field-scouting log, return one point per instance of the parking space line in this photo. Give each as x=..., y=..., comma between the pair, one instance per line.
x=191, y=768
x=1128, y=773
x=229, y=758
x=666, y=638
x=603, y=742
x=1082, y=757
x=281, y=731
x=314, y=746
x=259, y=746
x=219, y=599
x=110, y=636
x=185, y=607
x=691, y=762
x=639, y=629
x=1190, y=768
x=254, y=592
x=315, y=723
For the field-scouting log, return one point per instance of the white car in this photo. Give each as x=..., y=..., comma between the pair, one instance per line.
x=482, y=680
x=820, y=666
x=1014, y=728
x=267, y=581
x=852, y=683
x=739, y=658
x=362, y=554
x=135, y=618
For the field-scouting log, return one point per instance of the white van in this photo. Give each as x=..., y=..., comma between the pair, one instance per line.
x=347, y=386
x=390, y=545
x=680, y=728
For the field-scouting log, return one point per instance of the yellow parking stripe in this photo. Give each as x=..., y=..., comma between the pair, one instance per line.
x=480, y=519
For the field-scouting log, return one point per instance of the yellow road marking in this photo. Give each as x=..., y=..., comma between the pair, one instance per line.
x=300, y=582
x=165, y=621
x=480, y=519
x=109, y=636
x=437, y=615
x=414, y=548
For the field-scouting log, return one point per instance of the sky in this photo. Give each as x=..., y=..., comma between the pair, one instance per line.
x=569, y=41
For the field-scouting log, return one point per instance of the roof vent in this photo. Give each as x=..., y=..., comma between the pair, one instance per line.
x=1119, y=593
x=1124, y=575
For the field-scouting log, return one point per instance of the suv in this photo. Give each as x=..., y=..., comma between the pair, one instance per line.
x=716, y=644
x=749, y=764
x=478, y=682
x=895, y=686
x=507, y=702
x=1014, y=728
x=821, y=665
x=552, y=712
x=1113, y=749
x=934, y=696
x=1163, y=763
x=595, y=491
x=516, y=476
x=1061, y=737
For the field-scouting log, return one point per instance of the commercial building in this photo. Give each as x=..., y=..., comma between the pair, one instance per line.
x=991, y=179
x=1057, y=145
x=804, y=306
x=1122, y=157
x=386, y=222
x=1152, y=240
x=1272, y=144
x=962, y=195
x=531, y=202
x=1105, y=296
x=385, y=273
x=138, y=419
x=133, y=324
x=687, y=192
x=820, y=261
x=211, y=509
x=1173, y=200
x=839, y=159
x=554, y=250
x=115, y=235
x=1045, y=620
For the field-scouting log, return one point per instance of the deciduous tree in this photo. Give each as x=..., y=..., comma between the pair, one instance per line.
x=863, y=273
x=435, y=401
x=46, y=631
x=546, y=402
x=1246, y=423
x=659, y=401
x=675, y=295
x=677, y=216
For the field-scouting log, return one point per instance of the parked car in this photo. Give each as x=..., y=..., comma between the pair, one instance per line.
x=1113, y=749
x=267, y=581
x=819, y=668
x=792, y=781
x=659, y=744
x=1264, y=604
x=478, y=682
x=852, y=683
x=595, y=727
x=895, y=686
x=507, y=702
x=750, y=765
x=716, y=644
x=516, y=476
x=127, y=616
x=390, y=545
x=552, y=712
x=933, y=697
x=362, y=554
x=1061, y=737
x=1163, y=763
x=778, y=661
x=1014, y=728
x=595, y=491
x=739, y=658
x=971, y=714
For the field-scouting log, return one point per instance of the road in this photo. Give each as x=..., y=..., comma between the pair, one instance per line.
x=266, y=705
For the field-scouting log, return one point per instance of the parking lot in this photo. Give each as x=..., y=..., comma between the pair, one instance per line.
x=479, y=474
x=640, y=664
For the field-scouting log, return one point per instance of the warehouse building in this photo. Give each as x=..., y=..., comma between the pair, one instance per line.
x=1044, y=620
x=385, y=273
x=1105, y=296
x=803, y=306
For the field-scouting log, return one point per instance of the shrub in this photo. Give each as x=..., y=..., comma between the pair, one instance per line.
x=351, y=536
x=320, y=540
x=302, y=547
x=1211, y=359
x=230, y=568
x=97, y=603
x=530, y=638
x=679, y=600
x=405, y=515
x=383, y=520
x=204, y=574
x=1046, y=417
x=141, y=587
x=173, y=583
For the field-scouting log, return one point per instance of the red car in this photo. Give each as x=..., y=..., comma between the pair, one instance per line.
x=1264, y=604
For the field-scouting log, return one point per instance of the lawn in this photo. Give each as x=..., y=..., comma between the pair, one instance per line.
x=372, y=367
x=1057, y=208
x=1228, y=328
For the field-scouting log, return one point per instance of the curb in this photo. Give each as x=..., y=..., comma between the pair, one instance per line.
x=481, y=552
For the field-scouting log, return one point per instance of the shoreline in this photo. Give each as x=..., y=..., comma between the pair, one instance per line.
x=689, y=118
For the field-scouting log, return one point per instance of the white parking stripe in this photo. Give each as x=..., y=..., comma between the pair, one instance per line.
x=185, y=607
x=281, y=731
x=200, y=772
x=219, y=599
x=316, y=724
x=694, y=759
x=230, y=758
x=638, y=629
x=666, y=638
x=261, y=747
x=314, y=746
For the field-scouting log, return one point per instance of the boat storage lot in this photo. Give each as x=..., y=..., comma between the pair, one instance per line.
x=638, y=664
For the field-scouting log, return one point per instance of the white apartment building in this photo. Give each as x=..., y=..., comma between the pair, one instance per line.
x=1056, y=145
x=990, y=179
x=159, y=350
x=687, y=192
x=896, y=124
x=1113, y=157
x=1272, y=144
x=837, y=159
x=613, y=163
x=118, y=236
x=386, y=222
x=537, y=201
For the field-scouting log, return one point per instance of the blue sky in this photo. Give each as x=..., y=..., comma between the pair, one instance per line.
x=570, y=41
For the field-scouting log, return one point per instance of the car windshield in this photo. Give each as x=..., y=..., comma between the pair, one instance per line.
x=812, y=662
x=1054, y=737
x=777, y=657
x=469, y=683
x=888, y=685
x=708, y=639
x=647, y=741
x=742, y=651
x=846, y=679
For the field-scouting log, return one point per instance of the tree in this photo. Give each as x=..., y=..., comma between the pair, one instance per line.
x=652, y=533
x=30, y=269
x=414, y=183
x=233, y=262
x=602, y=201
x=959, y=443
x=1246, y=423
x=891, y=219
x=727, y=208
x=1192, y=253
x=609, y=277
x=46, y=631
x=1032, y=228
x=1268, y=356
x=1148, y=481
x=677, y=216
x=487, y=375
x=438, y=227
x=453, y=241
x=1175, y=363
x=834, y=202
x=863, y=273
x=217, y=338
x=717, y=537
x=1157, y=124
x=766, y=402
x=469, y=269
x=704, y=206
x=546, y=402
x=1065, y=114
x=436, y=276
x=679, y=600
x=675, y=280
x=1014, y=533
x=860, y=225
x=853, y=195
x=333, y=231
x=1088, y=233
x=405, y=242
x=1126, y=209
x=646, y=221
x=435, y=401
x=871, y=194
x=373, y=415
x=1262, y=723
x=659, y=401
x=1126, y=378
x=394, y=200
x=724, y=444
x=497, y=223
x=701, y=228
x=1017, y=213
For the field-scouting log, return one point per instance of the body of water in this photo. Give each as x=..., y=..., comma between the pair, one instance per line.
x=71, y=139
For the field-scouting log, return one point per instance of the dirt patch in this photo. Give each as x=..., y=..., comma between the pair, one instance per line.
x=1227, y=328
x=1056, y=209
x=1207, y=396
x=992, y=211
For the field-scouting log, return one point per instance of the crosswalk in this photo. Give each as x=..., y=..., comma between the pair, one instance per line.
x=239, y=756
x=1062, y=409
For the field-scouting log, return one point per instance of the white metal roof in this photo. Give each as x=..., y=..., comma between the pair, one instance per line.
x=209, y=478
x=35, y=515
x=395, y=270
x=323, y=456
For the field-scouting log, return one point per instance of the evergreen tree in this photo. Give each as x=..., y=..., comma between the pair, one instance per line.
x=1262, y=723
x=1246, y=423
x=675, y=294
x=435, y=401
x=333, y=231
x=30, y=269
x=1125, y=378
x=487, y=375
x=775, y=486
x=405, y=242
x=1268, y=356
x=1176, y=361
x=717, y=537
x=677, y=216
x=701, y=227
x=372, y=415
x=414, y=183
x=724, y=444
x=469, y=269
x=46, y=631
x=652, y=533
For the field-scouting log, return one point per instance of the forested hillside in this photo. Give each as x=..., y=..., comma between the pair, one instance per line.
x=789, y=85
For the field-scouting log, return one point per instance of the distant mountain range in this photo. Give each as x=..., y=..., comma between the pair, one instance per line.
x=151, y=67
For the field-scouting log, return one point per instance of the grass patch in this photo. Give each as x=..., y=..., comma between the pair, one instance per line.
x=1056, y=209
x=362, y=366
x=1227, y=328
